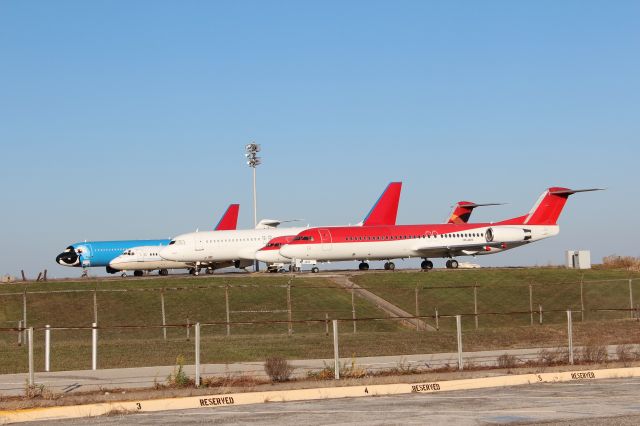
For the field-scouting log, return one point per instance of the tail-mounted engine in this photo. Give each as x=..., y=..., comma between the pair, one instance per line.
x=509, y=234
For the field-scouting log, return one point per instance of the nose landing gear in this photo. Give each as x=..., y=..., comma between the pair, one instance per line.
x=389, y=266
x=363, y=266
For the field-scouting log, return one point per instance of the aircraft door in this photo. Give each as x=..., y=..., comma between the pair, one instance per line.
x=325, y=239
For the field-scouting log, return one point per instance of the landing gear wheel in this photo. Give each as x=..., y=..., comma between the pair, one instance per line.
x=364, y=266
x=192, y=271
x=453, y=264
x=426, y=265
x=386, y=266
x=448, y=264
x=315, y=270
x=137, y=273
x=123, y=274
x=209, y=271
x=392, y=266
x=163, y=272
x=196, y=272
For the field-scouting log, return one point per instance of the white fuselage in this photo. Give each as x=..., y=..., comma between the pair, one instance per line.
x=220, y=246
x=340, y=246
x=145, y=258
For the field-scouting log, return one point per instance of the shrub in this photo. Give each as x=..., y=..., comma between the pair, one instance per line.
x=278, y=369
x=621, y=262
x=507, y=361
x=593, y=352
x=626, y=353
x=179, y=378
x=557, y=356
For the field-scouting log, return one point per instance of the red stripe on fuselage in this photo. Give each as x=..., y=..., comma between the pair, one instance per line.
x=354, y=234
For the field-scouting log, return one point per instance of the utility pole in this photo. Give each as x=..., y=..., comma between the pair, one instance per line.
x=253, y=161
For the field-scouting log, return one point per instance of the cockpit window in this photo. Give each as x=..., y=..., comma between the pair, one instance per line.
x=172, y=242
x=303, y=238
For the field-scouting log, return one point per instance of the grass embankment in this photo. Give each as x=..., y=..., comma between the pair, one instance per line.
x=312, y=297
x=507, y=290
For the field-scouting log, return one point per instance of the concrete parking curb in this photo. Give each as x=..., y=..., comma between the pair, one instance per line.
x=221, y=400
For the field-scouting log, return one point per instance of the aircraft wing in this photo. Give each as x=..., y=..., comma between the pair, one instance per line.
x=456, y=249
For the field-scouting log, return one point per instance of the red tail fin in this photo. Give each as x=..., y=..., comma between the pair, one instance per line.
x=547, y=209
x=463, y=209
x=385, y=210
x=229, y=219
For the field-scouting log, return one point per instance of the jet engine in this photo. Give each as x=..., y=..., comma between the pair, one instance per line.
x=505, y=234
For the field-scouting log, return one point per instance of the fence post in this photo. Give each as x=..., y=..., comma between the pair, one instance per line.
x=353, y=310
x=197, y=354
x=30, y=342
x=20, y=333
x=290, y=324
x=24, y=312
x=95, y=306
x=459, y=336
x=164, y=319
x=631, y=297
x=581, y=298
x=47, y=348
x=94, y=346
x=188, y=330
x=570, y=334
x=417, y=311
x=437, y=321
x=531, y=302
x=336, y=356
x=326, y=324
x=475, y=303
x=540, y=310
x=226, y=301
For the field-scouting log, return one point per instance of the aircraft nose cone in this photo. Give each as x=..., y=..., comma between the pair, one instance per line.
x=168, y=253
x=67, y=258
x=287, y=251
x=262, y=256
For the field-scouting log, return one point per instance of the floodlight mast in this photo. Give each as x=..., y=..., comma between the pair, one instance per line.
x=253, y=161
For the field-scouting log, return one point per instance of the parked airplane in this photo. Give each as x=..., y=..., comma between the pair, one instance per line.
x=144, y=258
x=270, y=253
x=206, y=249
x=431, y=240
x=100, y=253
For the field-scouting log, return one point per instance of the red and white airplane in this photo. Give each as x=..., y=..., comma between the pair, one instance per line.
x=270, y=253
x=431, y=240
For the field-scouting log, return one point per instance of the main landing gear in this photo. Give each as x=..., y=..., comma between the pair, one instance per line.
x=452, y=264
x=363, y=266
x=138, y=273
x=315, y=269
x=426, y=265
x=389, y=266
x=163, y=272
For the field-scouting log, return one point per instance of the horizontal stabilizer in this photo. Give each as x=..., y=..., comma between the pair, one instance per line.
x=573, y=191
x=273, y=223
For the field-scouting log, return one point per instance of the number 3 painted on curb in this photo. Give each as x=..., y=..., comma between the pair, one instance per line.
x=139, y=406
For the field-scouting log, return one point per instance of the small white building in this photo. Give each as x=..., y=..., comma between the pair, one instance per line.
x=578, y=259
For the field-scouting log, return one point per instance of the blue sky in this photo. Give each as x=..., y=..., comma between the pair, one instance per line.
x=127, y=120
